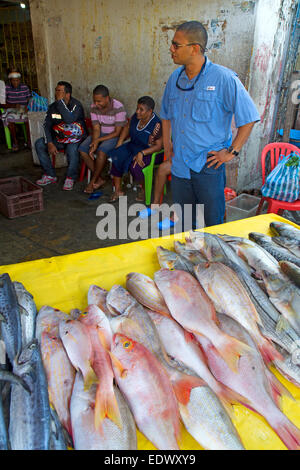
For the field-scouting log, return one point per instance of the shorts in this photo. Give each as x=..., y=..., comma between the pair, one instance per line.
x=105, y=146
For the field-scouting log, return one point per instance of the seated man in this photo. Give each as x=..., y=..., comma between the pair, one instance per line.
x=64, y=128
x=108, y=117
x=17, y=95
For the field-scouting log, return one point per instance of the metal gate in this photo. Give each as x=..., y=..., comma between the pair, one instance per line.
x=16, y=44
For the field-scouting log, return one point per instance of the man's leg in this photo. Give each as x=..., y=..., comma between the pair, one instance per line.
x=45, y=161
x=73, y=160
x=163, y=171
x=13, y=133
x=83, y=149
x=96, y=180
x=209, y=187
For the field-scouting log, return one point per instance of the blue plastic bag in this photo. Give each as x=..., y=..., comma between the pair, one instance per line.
x=37, y=103
x=283, y=181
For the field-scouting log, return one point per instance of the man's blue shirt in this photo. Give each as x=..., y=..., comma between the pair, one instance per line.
x=201, y=118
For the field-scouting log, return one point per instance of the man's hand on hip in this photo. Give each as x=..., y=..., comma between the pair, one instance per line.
x=216, y=159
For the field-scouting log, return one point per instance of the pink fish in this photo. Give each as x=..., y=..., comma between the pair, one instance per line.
x=259, y=387
x=149, y=392
x=192, y=308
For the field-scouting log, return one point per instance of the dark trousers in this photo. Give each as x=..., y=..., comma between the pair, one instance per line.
x=45, y=161
x=207, y=188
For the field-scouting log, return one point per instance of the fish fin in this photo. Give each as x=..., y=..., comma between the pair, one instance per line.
x=90, y=378
x=282, y=324
x=103, y=339
x=189, y=337
x=231, y=349
x=228, y=398
x=106, y=406
x=118, y=365
x=288, y=433
x=269, y=352
x=184, y=385
x=278, y=389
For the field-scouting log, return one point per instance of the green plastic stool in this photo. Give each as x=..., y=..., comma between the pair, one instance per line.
x=7, y=133
x=148, y=175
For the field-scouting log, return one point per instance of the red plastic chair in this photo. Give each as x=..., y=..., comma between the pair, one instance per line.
x=276, y=149
x=84, y=169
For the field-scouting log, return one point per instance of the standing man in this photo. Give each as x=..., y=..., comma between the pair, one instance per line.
x=199, y=101
x=64, y=129
x=108, y=117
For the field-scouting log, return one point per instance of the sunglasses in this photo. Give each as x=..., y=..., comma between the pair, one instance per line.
x=176, y=45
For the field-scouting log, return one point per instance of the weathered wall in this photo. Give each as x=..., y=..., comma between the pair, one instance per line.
x=125, y=43
x=273, y=21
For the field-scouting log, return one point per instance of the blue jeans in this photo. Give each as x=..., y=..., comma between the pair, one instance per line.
x=206, y=187
x=71, y=151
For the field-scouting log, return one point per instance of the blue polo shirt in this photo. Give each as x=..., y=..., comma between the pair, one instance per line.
x=201, y=118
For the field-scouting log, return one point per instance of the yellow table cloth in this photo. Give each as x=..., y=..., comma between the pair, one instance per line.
x=63, y=282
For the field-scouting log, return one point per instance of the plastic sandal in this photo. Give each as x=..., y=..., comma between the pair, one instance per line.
x=165, y=224
x=146, y=213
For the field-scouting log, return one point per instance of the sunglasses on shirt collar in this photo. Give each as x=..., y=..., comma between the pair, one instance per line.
x=197, y=78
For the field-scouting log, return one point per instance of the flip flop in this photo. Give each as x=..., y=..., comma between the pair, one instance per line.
x=165, y=224
x=145, y=213
x=95, y=195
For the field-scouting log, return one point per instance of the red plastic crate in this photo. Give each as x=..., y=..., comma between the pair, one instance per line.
x=19, y=196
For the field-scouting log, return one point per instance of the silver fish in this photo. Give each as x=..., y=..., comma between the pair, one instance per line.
x=290, y=366
x=111, y=437
x=11, y=329
x=28, y=312
x=292, y=245
x=171, y=260
x=285, y=230
x=29, y=427
x=291, y=270
x=194, y=256
x=118, y=299
x=59, y=438
x=279, y=253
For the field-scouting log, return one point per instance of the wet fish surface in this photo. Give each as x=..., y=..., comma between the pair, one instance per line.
x=11, y=329
x=28, y=313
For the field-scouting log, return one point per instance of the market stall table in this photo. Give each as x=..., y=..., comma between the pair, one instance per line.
x=63, y=282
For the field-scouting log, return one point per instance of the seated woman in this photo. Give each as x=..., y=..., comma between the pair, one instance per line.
x=17, y=97
x=145, y=132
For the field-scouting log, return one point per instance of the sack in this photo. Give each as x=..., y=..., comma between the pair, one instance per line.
x=68, y=133
x=283, y=181
x=37, y=103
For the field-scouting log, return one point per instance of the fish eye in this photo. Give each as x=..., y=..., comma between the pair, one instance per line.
x=127, y=344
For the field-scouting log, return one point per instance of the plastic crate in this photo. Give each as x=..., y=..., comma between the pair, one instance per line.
x=19, y=196
x=241, y=207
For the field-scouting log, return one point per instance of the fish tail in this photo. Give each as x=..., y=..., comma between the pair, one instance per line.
x=90, y=378
x=278, y=390
x=184, y=386
x=287, y=431
x=106, y=406
x=269, y=352
x=231, y=349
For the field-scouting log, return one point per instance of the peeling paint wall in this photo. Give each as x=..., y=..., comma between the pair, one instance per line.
x=271, y=38
x=125, y=43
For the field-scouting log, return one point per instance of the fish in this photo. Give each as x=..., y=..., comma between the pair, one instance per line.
x=100, y=334
x=29, y=426
x=148, y=391
x=278, y=252
x=171, y=260
x=192, y=255
x=144, y=290
x=28, y=312
x=118, y=299
x=206, y=419
x=60, y=375
x=289, y=367
x=260, y=388
x=11, y=329
x=291, y=271
x=285, y=230
x=292, y=245
x=48, y=319
x=112, y=437
x=229, y=296
x=77, y=343
x=59, y=438
x=191, y=307
x=97, y=296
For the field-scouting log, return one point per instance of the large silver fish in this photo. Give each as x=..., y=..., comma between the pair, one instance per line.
x=28, y=312
x=111, y=436
x=279, y=253
x=29, y=427
x=292, y=245
x=285, y=230
x=291, y=271
x=11, y=329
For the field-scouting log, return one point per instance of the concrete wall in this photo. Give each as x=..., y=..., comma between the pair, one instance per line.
x=271, y=37
x=125, y=43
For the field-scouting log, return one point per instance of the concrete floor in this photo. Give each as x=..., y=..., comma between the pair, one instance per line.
x=66, y=225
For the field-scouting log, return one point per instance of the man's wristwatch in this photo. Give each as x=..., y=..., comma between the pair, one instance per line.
x=234, y=152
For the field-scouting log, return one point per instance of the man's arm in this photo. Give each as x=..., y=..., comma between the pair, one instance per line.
x=76, y=113
x=217, y=158
x=167, y=142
